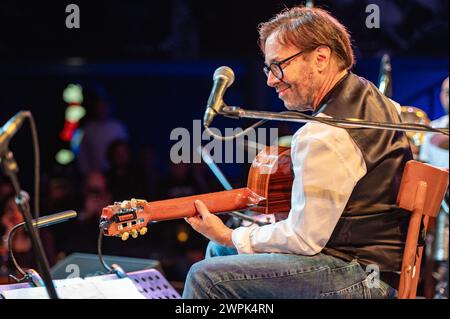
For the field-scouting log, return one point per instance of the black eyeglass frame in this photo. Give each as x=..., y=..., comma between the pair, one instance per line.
x=270, y=68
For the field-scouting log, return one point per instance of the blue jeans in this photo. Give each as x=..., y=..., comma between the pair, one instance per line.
x=225, y=274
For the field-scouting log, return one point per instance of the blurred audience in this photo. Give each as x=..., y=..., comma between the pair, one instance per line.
x=181, y=181
x=149, y=170
x=6, y=188
x=182, y=246
x=58, y=195
x=100, y=130
x=10, y=216
x=81, y=235
x=124, y=179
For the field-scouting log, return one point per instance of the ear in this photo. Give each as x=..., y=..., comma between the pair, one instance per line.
x=323, y=57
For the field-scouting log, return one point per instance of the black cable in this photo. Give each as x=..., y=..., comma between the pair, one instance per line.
x=99, y=251
x=234, y=136
x=11, y=253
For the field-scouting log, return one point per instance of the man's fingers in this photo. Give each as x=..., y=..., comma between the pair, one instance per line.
x=196, y=220
x=201, y=208
x=193, y=221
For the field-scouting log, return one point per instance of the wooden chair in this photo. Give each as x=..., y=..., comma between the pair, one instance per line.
x=422, y=190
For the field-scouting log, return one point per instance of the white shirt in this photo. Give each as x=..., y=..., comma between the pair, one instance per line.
x=327, y=165
x=431, y=153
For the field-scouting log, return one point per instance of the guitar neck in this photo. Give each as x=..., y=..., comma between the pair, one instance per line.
x=218, y=202
x=268, y=191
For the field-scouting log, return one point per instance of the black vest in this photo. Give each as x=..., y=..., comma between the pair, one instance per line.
x=372, y=229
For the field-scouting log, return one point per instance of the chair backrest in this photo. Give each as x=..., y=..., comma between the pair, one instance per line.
x=422, y=190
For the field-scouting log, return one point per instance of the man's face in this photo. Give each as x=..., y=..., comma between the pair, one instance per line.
x=298, y=87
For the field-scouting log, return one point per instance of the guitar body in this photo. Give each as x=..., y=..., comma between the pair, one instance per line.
x=268, y=191
x=270, y=176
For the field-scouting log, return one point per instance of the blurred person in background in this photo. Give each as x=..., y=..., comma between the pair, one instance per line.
x=100, y=130
x=124, y=180
x=149, y=170
x=59, y=195
x=6, y=188
x=80, y=235
x=435, y=146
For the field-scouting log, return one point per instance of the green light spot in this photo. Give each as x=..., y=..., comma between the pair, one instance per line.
x=75, y=113
x=64, y=157
x=73, y=93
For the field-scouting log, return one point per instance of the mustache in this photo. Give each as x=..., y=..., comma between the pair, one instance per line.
x=283, y=85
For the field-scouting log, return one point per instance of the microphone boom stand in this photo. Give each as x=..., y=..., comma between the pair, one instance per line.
x=291, y=116
x=10, y=169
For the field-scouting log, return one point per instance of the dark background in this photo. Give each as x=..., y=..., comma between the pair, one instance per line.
x=155, y=59
x=215, y=29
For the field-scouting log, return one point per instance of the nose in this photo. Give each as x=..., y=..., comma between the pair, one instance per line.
x=272, y=80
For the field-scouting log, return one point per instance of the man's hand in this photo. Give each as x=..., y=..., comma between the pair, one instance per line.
x=210, y=225
x=440, y=141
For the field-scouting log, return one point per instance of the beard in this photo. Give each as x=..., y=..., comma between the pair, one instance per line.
x=301, y=96
x=300, y=100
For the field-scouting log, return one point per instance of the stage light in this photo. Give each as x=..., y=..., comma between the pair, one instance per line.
x=71, y=134
x=74, y=113
x=68, y=131
x=76, y=141
x=182, y=236
x=73, y=94
x=64, y=156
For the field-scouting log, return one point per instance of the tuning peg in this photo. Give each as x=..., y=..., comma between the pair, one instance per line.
x=134, y=233
x=143, y=231
x=125, y=235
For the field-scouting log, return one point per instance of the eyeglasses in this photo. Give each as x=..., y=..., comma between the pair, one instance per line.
x=275, y=67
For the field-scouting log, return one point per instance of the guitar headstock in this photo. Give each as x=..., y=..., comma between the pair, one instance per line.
x=123, y=219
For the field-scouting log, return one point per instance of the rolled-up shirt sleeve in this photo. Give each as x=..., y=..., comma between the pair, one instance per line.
x=327, y=165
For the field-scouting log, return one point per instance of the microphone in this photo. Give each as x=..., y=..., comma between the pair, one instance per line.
x=54, y=219
x=48, y=220
x=10, y=128
x=223, y=77
x=31, y=274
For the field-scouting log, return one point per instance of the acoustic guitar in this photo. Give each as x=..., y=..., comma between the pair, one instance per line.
x=268, y=191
